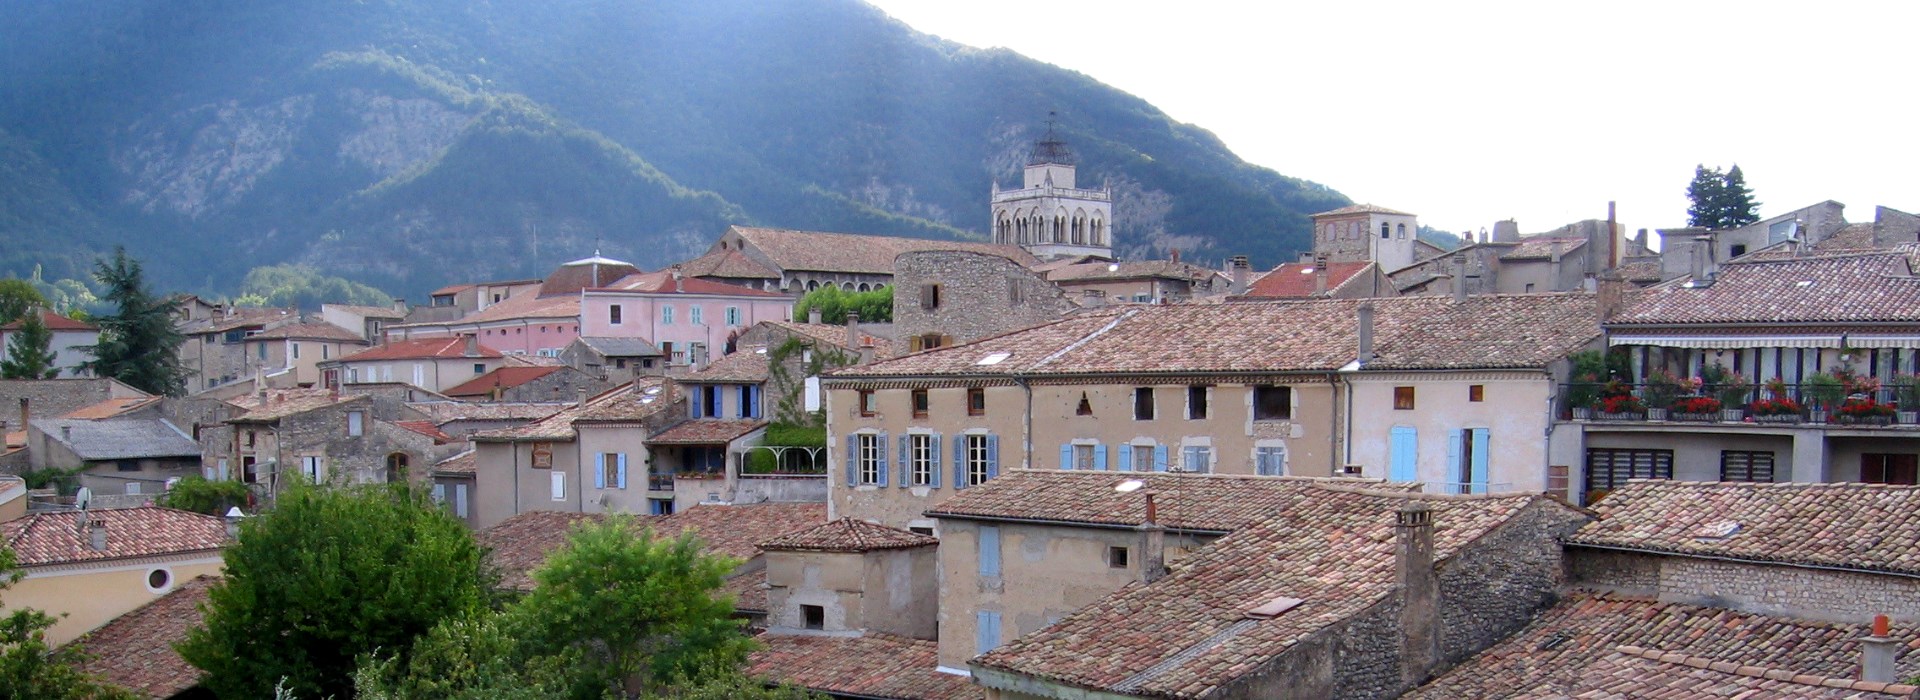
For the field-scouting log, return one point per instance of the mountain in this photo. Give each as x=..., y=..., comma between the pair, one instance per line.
x=409, y=143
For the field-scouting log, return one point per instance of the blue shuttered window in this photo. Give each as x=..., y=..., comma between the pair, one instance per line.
x=697, y=403
x=959, y=461
x=989, y=551
x=1402, y=460
x=986, y=632
x=1066, y=458
x=993, y=456
x=1478, y=482
x=1126, y=459
x=1160, y=458
x=853, y=460
x=620, y=471
x=900, y=459
x=1455, y=470
x=881, y=441
x=600, y=472
x=935, y=476
x=1100, y=457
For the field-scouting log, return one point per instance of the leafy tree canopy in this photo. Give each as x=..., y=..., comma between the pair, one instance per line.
x=29, y=668
x=17, y=297
x=874, y=306
x=138, y=343
x=204, y=496
x=30, y=352
x=330, y=575
x=1720, y=200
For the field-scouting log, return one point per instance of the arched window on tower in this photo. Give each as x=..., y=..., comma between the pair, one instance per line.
x=1402, y=232
x=1384, y=230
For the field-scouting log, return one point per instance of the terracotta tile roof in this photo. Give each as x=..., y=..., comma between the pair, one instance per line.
x=1426, y=332
x=1135, y=269
x=119, y=438
x=848, y=535
x=664, y=282
x=449, y=348
x=835, y=335
x=281, y=403
x=57, y=538
x=110, y=407
x=311, y=331
x=444, y=412
x=1862, y=288
x=1643, y=271
x=427, y=428
x=1855, y=526
x=135, y=651
x=1541, y=248
x=464, y=463
x=869, y=666
x=1850, y=238
x=53, y=322
x=1199, y=502
x=734, y=530
x=235, y=318
x=635, y=400
x=706, y=431
x=532, y=361
x=518, y=545
x=855, y=253
x=1633, y=672
x=1361, y=209
x=1296, y=280
x=748, y=365
x=369, y=311
x=749, y=591
x=502, y=378
x=1573, y=649
x=729, y=263
x=1189, y=634
x=451, y=289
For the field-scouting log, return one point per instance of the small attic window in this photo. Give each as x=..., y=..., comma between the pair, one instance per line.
x=994, y=359
x=1273, y=608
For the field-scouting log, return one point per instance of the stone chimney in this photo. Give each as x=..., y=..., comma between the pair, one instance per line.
x=1153, y=544
x=853, y=331
x=1418, y=590
x=1640, y=239
x=472, y=344
x=1363, y=316
x=813, y=315
x=1459, y=279
x=1556, y=258
x=1320, y=274
x=400, y=305
x=1506, y=231
x=233, y=522
x=1704, y=268
x=97, y=535
x=1174, y=254
x=1877, y=654
x=1092, y=297
x=26, y=412
x=1241, y=269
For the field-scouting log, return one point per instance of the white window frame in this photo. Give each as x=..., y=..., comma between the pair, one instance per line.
x=666, y=314
x=310, y=468
x=920, y=459
x=869, y=451
x=558, y=485
x=1204, y=452
x=696, y=314
x=356, y=423
x=1142, y=454
x=616, y=316
x=977, y=462
x=1270, y=448
x=733, y=316
x=1083, y=456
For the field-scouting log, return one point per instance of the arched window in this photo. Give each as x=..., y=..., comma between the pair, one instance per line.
x=846, y=286
x=812, y=285
x=1384, y=230
x=1402, y=232
x=397, y=468
x=862, y=287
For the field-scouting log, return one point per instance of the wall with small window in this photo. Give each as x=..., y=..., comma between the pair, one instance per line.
x=1162, y=426
x=1461, y=432
x=895, y=452
x=892, y=591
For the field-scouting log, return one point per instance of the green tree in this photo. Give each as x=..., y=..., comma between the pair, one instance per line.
x=874, y=306
x=204, y=496
x=29, y=667
x=327, y=576
x=17, y=297
x=1704, y=195
x=30, y=352
x=138, y=343
x=1735, y=202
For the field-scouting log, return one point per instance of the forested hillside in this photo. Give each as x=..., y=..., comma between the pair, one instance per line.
x=407, y=143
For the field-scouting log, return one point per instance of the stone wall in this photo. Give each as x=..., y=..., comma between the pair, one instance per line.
x=979, y=295
x=762, y=488
x=568, y=384
x=52, y=398
x=1769, y=589
x=1613, y=571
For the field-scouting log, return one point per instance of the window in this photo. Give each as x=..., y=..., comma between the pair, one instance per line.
x=613, y=471
x=310, y=468
x=921, y=531
x=323, y=351
x=1085, y=408
x=813, y=617
x=249, y=472
x=919, y=403
x=1608, y=469
x=126, y=465
x=1476, y=393
x=976, y=402
x=1385, y=232
x=1400, y=231
x=921, y=468
x=1083, y=457
x=1196, y=458
x=1197, y=402
x=356, y=426
x=696, y=315
x=133, y=488
x=929, y=297
x=559, y=485
x=158, y=579
x=868, y=404
x=1143, y=403
x=613, y=314
x=1014, y=294
x=254, y=436
x=733, y=315
x=1403, y=398
x=1270, y=461
x=1529, y=288
x=1272, y=403
x=295, y=349
x=1737, y=251
x=870, y=460
x=1143, y=458
x=986, y=631
x=1890, y=469
x=419, y=374
x=989, y=554
x=1742, y=465
x=980, y=459
x=479, y=368
x=1117, y=557
x=749, y=402
x=666, y=315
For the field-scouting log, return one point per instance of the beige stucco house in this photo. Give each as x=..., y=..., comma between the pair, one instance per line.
x=92, y=566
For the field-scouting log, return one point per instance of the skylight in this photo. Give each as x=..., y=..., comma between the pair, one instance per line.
x=1307, y=271
x=1803, y=283
x=994, y=359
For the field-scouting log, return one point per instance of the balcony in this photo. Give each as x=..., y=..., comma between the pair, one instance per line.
x=660, y=482
x=1849, y=404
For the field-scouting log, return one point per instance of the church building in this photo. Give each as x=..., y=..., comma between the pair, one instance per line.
x=1049, y=215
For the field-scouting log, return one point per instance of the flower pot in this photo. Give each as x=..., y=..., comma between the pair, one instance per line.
x=1656, y=414
x=1733, y=415
x=1583, y=413
x=1864, y=420
x=1908, y=417
x=1778, y=418
x=1621, y=416
x=1693, y=417
x=1818, y=415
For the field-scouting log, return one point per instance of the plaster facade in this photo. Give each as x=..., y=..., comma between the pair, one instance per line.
x=892, y=591
x=86, y=596
x=689, y=329
x=1419, y=420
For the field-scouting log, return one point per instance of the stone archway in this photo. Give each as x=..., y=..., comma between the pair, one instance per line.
x=398, y=464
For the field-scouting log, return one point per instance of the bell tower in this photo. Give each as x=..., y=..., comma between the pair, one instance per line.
x=1049, y=214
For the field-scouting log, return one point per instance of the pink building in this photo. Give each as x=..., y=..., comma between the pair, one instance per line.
x=540, y=323
x=690, y=319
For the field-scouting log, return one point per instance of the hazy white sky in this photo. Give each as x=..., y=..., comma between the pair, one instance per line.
x=1468, y=113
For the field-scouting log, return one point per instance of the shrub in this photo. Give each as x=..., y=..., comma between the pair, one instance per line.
x=202, y=496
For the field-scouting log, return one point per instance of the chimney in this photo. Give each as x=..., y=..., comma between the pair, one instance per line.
x=400, y=305
x=1418, y=588
x=1175, y=253
x=1640, y=239
x=97, y=535
x=1704, y=269
x=813, y=315
x=25, y=413
x=1153, y=545
x=1459, y=279
x=472, y=344
x=1877, y=653
x=582, y=397
x=1241, y=269
x=1557, y=259
x=1363, y=314
x=853, y=330
x=233, y=522
x=1092, y=298
x=1320, y=274
x=867, y=353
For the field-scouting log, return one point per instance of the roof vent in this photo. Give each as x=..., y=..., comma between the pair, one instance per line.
x=1717, y=530
x=994, y=359
x=1274, y=608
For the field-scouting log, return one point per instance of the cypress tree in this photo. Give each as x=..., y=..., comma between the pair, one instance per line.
x=1705, y=193
x=138, y=342
x=30, y=352
x=1734, y=204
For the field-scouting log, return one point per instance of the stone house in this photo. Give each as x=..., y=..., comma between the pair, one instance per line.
x=23, y=399
x=1138, y=281
x=617, y=360
x=690, y=320
x=130, y=455
x=323, y=437
x=797, y=353
x=592, y=457
x=1249, y=388
x=432, y=364
x=521, y=384
x=955, y=296
x=1365, y=232
x=452, y=483
x=461, y=419
x=215, y=349
x=539, y=323
x=730, y=266
x=69, y=342
x=290, y=355
x=1342, y=592
x=87, y=567
x=368, y=322
x=805, y=260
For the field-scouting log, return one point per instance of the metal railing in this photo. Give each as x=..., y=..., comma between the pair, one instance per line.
x=1738, y=403
x=659, y=482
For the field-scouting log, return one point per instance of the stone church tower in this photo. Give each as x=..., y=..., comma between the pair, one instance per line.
x=1049, y=215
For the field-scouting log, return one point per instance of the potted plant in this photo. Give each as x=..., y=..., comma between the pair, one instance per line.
x=1623, y=406
x=1824, y=392
x=1660, y=391
x=1582, y=394
x=1731, y=389
x=1777, y=407
x=1862, y=409
x=1696, y=408
x=1906, y=392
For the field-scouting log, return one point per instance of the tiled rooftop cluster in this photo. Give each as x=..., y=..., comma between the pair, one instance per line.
x=1298, y=280
x=1194, y=502
x=62, y=538
x=280, y=403
x=1857, y=288
x=869, y=666
x=519, y=544
x=848, y=535
x=633, y=401
x=1845, y=525
x=811, y=250
x=135, y=651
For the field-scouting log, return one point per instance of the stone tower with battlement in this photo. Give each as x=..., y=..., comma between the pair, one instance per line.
x=1049, y=214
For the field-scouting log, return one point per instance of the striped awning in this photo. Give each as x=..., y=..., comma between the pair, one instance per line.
x=1883, y=341
x=1730, y=342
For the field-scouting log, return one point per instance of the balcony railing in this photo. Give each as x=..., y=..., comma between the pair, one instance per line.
x=1780, y=403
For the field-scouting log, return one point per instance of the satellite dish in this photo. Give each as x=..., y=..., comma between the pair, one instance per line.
x=1129, y=486
x=83, y=498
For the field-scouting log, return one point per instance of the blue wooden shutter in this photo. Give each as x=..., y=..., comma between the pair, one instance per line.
x=1402, y=460
x=600, y=473
x=1066, y=457
x=1126, y=458
x=986, y=631
x=881, y=444
x=1479, y=480
x=1100, y=457
x=993, y=456
x=696, y=404
x=933, y=471
x=1454, y=476
x=853, y=460
x=1159, y=458
x=960, y=461
x=753, y=400
x=621, y=469
x=989, y=550
x=904, y=459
